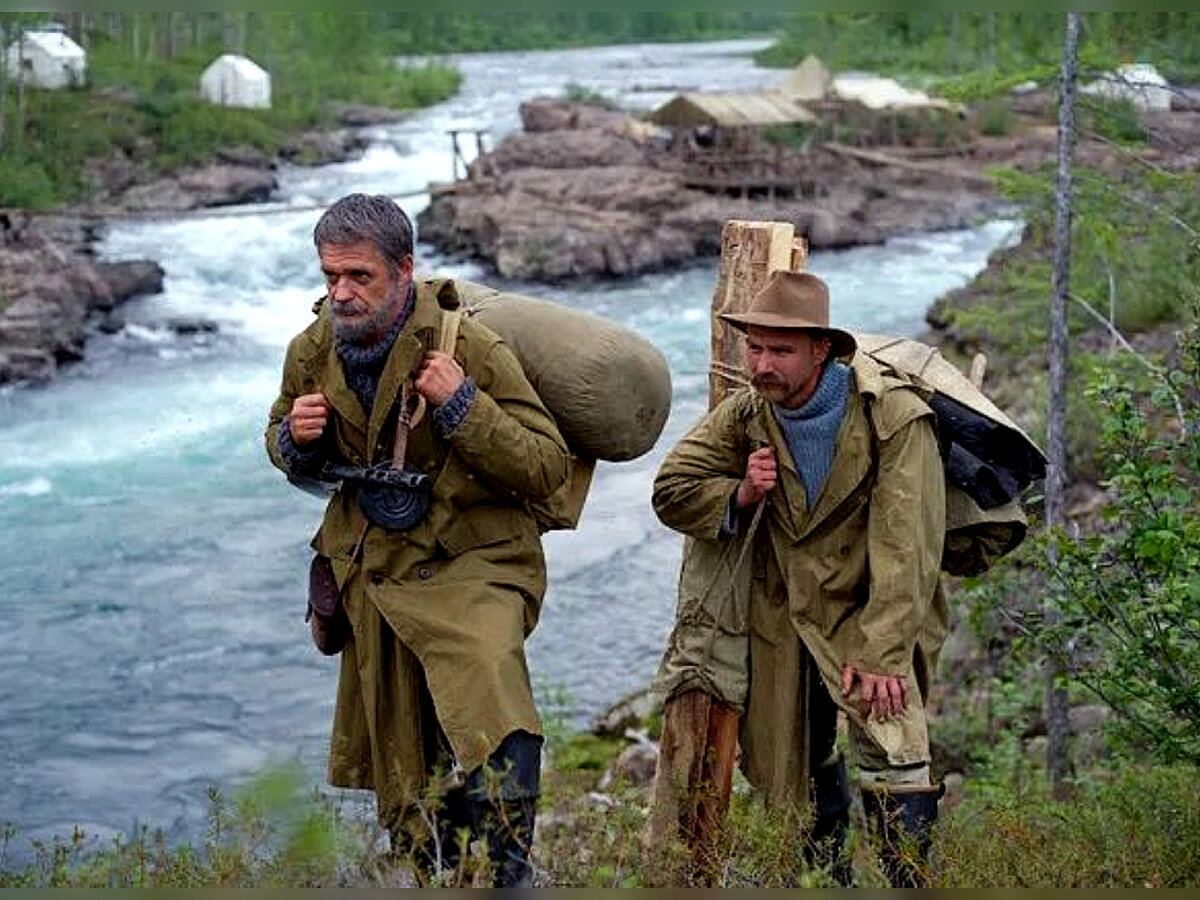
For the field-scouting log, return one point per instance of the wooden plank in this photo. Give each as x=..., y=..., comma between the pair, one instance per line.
x=750, y=252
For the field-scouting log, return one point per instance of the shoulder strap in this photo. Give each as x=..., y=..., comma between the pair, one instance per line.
x=450, y=320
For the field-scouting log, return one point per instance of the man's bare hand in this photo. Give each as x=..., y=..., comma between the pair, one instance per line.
x=761, y=477
x=307, y=420
x=882, y=696
x=439, y=377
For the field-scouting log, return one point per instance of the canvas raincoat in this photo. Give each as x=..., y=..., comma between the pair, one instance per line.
x=461, y=590
x=852, y=580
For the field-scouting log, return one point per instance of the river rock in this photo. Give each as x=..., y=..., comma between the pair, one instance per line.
x=630, y=712
x=131, y=278
x=635, y=765
x=360, y=115
x=552, y=114
x=48, y=297
x=317, y=148
x=213, y=185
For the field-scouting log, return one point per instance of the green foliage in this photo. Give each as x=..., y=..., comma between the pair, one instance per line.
x=444, y=32
x=1129, y=596
x=986, y=48
x=143, y=105
x=1115, y=120
x=577, y=93
x=25, y=183
x=996, y=118
x=1142, y=829
x=274, y=833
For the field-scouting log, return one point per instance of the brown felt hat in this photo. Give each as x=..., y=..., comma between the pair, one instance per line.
x=793, y=300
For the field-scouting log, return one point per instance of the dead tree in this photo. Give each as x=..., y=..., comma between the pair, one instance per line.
x=1056, y=694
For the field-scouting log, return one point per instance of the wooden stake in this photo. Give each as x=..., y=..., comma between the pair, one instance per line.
x=750, y=252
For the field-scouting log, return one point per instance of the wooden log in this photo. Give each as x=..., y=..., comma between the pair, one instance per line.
x=750, y=252
x=878, y=158
x=694, y=778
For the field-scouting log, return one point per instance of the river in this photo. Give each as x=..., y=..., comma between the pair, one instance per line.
x=153, y=564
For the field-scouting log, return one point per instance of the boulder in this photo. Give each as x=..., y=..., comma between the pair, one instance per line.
x=214, y=185
x=131, y=278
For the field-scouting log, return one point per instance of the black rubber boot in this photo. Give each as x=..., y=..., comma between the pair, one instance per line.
x=902, y=819
x=831, y=823
x=502, y=797
x=507, y=827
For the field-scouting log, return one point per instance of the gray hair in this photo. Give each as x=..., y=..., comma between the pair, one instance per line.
x=376, y=219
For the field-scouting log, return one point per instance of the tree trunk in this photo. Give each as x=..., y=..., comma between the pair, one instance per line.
x=1056, y=698
x=19, y=130
x=167, y=35
x=3, y=83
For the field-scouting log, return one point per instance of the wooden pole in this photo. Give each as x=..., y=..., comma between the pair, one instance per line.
x=750, y=252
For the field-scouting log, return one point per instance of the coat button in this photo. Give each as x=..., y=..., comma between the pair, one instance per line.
x=425, y=573
x=376, y=578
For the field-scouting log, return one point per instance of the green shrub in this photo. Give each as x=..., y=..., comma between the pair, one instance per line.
x=25, y=184
x=995, y=118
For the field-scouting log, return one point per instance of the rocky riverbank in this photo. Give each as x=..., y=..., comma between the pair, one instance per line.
x=584, y=190
x=53, y=290
x=588, y=191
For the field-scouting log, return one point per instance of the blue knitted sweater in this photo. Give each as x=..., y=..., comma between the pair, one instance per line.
x=811, y=430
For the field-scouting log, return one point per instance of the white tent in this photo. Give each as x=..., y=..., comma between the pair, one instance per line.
x=50, y=59
x=808, y=81
x=232, y=80
x=875, y=92
x=1139, y=83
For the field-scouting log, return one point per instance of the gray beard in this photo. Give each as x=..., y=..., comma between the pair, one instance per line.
x=365, y=332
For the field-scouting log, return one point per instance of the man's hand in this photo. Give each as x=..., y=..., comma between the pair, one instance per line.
x=439, y=377
x=883, y=696
x=761, y=476
x=307, y=420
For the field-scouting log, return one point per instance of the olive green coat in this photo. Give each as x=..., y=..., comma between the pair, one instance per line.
x=451, y=600
x=853, y=580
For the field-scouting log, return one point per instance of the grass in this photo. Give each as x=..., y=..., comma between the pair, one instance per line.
x=1137, y=828
x=151, y=118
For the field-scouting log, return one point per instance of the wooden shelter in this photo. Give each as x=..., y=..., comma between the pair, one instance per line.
x=730, y=110
x=718, y=140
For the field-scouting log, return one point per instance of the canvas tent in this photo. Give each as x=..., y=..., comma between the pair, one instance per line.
x=49, y=58
x=877, y=93
x=232, y=80
x=808, y=81
x=1139, y=83
x=811, y=82
x=730, y=110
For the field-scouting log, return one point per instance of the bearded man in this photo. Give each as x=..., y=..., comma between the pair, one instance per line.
x=429, y=537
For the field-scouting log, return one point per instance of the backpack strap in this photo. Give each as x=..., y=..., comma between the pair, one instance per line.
x=450, y=320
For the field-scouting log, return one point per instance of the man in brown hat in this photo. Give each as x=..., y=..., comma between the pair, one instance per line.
x=833, y=604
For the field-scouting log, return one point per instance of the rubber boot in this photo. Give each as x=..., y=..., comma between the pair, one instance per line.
x=903, y=820
x=507, y=827
x=502, y=797
x=831, y=823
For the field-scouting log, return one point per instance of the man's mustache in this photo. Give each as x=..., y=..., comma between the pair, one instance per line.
x=349, y=308
x=762, y=381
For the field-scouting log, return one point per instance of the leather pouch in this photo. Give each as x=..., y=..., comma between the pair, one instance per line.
x=326, y=614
